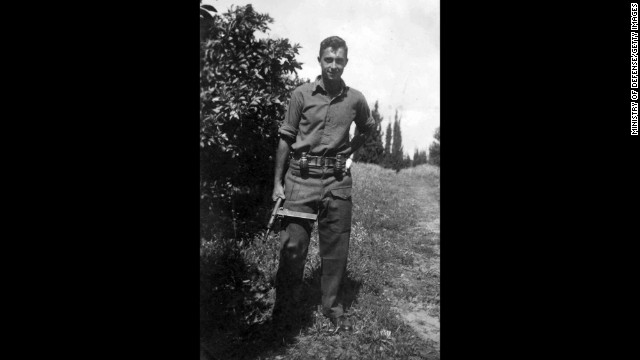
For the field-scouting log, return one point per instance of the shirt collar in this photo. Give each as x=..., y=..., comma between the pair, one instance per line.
x=320, y=84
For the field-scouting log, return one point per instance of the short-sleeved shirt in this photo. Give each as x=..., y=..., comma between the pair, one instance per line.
x=319, y=125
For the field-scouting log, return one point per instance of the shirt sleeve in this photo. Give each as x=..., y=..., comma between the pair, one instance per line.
x=289, y=128
x=364, y=121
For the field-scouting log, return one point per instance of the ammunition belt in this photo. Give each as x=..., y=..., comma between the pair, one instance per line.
x=319, y=161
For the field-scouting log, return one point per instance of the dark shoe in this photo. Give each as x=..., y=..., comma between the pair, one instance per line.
x=342, y=323
x=280, y=323
x=285, y=318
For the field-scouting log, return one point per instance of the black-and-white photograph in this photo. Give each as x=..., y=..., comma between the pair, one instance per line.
x=320, y=179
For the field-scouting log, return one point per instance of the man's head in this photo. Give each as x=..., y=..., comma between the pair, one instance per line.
x=333, y=58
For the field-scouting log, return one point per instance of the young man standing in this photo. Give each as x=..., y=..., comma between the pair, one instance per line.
x=314, y=138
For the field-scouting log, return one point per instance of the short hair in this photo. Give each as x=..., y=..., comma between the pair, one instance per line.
x=334, y=42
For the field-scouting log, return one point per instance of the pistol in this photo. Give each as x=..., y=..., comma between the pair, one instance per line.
x=280, y=212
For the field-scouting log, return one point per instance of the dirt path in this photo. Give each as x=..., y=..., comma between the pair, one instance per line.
x=415, y=295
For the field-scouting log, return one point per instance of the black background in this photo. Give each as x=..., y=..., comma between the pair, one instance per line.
x=538, y=178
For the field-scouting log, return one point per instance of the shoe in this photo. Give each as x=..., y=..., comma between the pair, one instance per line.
x=285, y=319
x=342, y=323
x=280, y=324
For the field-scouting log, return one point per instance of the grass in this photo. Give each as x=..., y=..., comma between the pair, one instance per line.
x=237, y=279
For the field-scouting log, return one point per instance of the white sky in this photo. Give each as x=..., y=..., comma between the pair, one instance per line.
x=394, y=52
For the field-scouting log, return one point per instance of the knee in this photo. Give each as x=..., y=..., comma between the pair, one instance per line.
x=294, y=241
x=293, y=250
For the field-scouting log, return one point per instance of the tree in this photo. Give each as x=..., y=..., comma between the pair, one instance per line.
x=386, y=160
x=397, y=152
x=434, y=149
x=406, y=162
x=245, y=86
x=423, y=157
x=372, y=150
x=387, y=143
x=206, y=17
x=419, y=157
x=416, y=158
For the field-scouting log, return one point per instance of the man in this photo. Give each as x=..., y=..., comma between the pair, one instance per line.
x=315, y=133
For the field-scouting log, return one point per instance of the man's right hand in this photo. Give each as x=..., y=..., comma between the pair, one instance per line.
x=278, y=192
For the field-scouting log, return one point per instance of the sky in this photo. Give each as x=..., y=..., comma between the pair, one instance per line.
x=394, y=52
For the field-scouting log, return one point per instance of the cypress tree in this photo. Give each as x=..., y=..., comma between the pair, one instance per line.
x=372, y=150
x=387, y=147
x=397, y=153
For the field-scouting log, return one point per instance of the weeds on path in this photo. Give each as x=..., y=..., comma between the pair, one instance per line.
x=237, y=281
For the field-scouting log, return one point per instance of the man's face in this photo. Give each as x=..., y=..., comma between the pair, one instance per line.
x=332, y=62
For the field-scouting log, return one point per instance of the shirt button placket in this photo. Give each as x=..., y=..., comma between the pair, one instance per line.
x=327, y=121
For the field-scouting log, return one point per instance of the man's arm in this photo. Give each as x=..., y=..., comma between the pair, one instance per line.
x=364, y=126
x=288, y=132
x=282, y=154
x=357, y=141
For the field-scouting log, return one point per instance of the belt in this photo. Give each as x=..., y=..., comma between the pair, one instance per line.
x=319, y=161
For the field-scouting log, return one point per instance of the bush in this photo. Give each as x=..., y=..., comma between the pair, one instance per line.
x=245, y=86
x=434, y=149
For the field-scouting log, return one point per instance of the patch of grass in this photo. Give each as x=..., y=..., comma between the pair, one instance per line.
x=237, y=280
x=378, y=334
x=424, y=248
x=379, y=203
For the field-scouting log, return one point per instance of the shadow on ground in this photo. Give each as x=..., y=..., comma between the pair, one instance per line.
x=229, y=329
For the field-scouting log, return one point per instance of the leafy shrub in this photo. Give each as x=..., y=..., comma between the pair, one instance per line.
x=434, y=149
x=245, y=85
